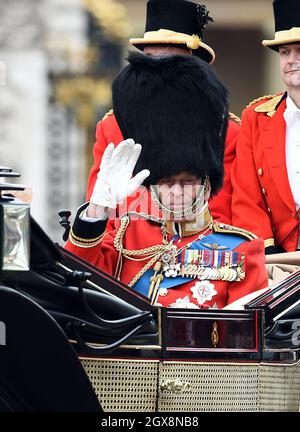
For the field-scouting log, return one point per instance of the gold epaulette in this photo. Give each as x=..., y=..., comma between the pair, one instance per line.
x=108, y=114
x=269, y=107
x=259, y=100
x=235, y=118
x=229, y=229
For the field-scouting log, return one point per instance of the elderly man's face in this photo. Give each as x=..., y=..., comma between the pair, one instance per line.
x=179, y=192
x=290, y=64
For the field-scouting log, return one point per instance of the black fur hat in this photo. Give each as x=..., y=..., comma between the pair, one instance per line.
x=176, y=108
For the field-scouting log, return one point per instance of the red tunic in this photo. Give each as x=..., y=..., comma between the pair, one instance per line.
x=108, y=131
x=262, y=198
x=100, y=251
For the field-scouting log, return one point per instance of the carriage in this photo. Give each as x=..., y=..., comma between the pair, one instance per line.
x=77, y=339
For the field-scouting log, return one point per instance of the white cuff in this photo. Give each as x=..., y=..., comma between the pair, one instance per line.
x=83, y=216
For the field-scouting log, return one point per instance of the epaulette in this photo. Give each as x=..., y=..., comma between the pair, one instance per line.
x=229, y=229
x=269, y=106
x=235, y=118
x=108, y=114
x=255, y=101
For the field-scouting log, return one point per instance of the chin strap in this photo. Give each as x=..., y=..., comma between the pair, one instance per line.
x=181, y=214
x=187, y=228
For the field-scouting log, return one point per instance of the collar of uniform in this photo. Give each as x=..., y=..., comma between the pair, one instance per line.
x=292, y=113
x=290, y=105
x=191, y=227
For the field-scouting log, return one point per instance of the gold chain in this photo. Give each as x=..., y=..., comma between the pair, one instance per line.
x=153, y=252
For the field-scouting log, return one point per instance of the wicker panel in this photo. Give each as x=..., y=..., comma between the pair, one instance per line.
x=128, y=385
x=214, y=387
x=279, y=388
x=124, y=385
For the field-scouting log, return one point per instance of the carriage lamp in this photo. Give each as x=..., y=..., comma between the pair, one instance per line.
x=14, y=227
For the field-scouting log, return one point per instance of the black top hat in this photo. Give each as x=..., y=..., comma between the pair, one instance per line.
x=287, y=23
x=176, y=22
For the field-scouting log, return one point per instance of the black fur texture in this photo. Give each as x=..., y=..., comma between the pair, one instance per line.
x=176, y=108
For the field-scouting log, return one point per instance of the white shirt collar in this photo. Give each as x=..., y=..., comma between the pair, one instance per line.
x=290, y=105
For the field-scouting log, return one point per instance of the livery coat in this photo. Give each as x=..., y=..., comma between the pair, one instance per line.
x=91, y=242
x=262, y=198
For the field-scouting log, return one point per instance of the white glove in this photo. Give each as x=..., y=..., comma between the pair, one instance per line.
x=114, y=181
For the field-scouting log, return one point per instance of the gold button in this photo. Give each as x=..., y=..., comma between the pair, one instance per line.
x=269, y=210
x=264, y=191
x=260, y=172
x=274, y=229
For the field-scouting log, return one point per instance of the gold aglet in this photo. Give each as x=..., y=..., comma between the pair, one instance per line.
x=159, y=279
x=153, y=278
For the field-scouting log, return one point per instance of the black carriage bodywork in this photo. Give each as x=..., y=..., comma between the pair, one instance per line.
x=263, y=331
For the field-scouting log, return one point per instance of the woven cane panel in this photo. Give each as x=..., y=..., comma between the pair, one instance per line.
x=279, y=388
x=124, y=385
x=133, y=386
x=214, y=387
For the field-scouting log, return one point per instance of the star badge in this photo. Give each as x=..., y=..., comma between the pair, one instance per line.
x=203, y=291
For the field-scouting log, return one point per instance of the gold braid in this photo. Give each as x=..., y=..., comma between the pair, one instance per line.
x=153, y=252
x=235, y=118
x=259, y=100
x=127, y=252
x=145, y=268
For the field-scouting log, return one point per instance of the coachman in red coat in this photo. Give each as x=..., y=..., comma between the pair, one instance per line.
x=266, y=172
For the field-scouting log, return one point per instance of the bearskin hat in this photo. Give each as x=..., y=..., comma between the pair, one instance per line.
x=177, y=109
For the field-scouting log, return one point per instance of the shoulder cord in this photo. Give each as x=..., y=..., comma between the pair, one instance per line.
x=133, y=253
x=153, y=252
x=235, y=118
x=259, y=100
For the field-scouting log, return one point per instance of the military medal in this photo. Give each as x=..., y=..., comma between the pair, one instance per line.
x=203, y=291
x=163, y=292
x=169, y=260
x=213, y=264
x=172, y=270
x=183, y=303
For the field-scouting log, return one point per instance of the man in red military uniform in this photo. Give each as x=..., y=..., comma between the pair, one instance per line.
x=182, y=259
x=266, y=173
x=172, y=27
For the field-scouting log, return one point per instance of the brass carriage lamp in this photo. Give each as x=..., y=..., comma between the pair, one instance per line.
x=14, y=226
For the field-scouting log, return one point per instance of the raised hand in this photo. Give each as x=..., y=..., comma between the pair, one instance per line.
x=114, y=181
